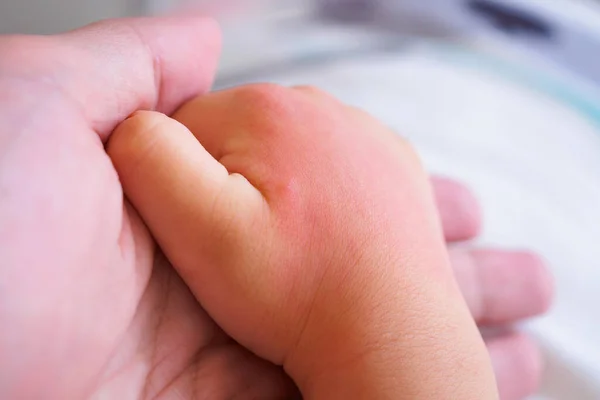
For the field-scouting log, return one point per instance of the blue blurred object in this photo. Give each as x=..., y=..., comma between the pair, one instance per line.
x=571, y=39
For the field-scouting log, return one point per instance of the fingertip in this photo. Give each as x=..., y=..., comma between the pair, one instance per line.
x=542, y=281
x=520, y=281
x=458, y=208
x=502, y=287
x=132, y=138
x=518, y=365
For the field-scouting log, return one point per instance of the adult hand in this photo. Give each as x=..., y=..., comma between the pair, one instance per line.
x=84, y=312
x=76, y=261
x=501, y=288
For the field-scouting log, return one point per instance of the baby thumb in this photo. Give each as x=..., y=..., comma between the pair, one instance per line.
x=194, y=208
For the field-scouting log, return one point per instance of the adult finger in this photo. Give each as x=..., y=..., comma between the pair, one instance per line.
x=502, y=286
x=113, y=68
x=517, y=364
x=458, y=209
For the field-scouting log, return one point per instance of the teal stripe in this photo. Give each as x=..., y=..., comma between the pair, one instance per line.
x=560, y=91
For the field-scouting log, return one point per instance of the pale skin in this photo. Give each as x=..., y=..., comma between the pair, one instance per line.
x=90, y=309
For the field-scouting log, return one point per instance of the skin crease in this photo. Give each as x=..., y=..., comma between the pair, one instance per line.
x=89, y=307
x=349, y=287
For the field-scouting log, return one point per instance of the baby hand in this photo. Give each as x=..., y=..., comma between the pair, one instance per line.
x=308, y=232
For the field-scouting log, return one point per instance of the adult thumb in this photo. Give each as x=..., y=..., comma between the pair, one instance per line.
x=112, y=68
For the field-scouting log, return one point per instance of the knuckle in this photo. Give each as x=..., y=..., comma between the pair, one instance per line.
x=22, y=54
x=410, y=155
x=313, y=91
x=406, y=146
x=270, y=109
x=320, y=96
x=12, y=48
x=368, y=122
x=264, y=96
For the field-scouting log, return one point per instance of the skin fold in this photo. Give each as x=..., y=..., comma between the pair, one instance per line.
x=90, y=308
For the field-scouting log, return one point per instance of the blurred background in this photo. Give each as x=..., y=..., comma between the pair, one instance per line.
x=502, y=94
